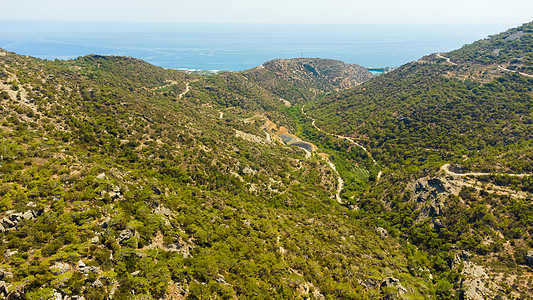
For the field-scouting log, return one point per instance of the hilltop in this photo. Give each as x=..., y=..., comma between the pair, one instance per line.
x=303, y=79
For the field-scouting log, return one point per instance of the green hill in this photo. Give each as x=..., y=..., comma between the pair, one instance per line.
x=123, y=180
x=471, y=108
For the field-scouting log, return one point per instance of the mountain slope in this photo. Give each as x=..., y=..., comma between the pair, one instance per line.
x=471, y=108
x=120, y=179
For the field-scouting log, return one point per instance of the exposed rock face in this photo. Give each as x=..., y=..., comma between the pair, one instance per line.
x=476, y=283
x=382, y=231
x=126, y=234
x=529, y=258
x=391, y=288
x=430, y=193
x=163, y=210
x=432, y=188
x=11, y=218
x=61, y=267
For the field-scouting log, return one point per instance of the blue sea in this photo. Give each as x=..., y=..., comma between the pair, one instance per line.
x=238, y=47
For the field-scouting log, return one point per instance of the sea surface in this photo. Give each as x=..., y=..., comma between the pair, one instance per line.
x=237, y=47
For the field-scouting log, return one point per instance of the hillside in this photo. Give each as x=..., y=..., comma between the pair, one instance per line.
x=120, y=179
x=453, y=133
x=298, y=179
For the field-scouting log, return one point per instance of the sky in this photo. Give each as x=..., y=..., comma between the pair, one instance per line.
x=273, y=11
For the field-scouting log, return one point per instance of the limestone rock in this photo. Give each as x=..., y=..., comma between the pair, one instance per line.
x=391, y=288
x=7, y=223
x=61, y=267
x=4, y=289
x=15, y=217
x=95, y=240
x=28, y=215
x=382, y=232
x=476, y=284
x=529, y=258
x=432, y=188
x=57, y=296
x=97, y=283
x=81, y=264
x=163, y=210
x=249, y=171
x=126, y=234
x=86, y=270
x=105, y=223
x=429, y=193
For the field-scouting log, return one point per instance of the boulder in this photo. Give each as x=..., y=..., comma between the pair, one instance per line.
x=57, y=296
x=81, y=264
x=60, y=267
x=163, y=210
x=529, y=258
x=126, y=234
x=97, y=283
x=15, y=217
x=95, y=240
x=382, y=232
x=28, y=215
x=4, y=289
x=391, y=288
x=87, y=270
x=105, y=223
x=7, y=223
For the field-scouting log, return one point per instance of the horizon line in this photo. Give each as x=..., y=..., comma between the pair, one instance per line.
x=260, y=23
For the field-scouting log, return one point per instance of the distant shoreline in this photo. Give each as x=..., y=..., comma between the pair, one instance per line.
x=380, y=70
x=373, y=70
x=237, y=48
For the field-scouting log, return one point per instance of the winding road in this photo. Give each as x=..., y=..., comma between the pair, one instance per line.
x=337, y=136
x=507, y=70
x=340, y=180
x=448, y=60
x=446, y=169
x=185, y=92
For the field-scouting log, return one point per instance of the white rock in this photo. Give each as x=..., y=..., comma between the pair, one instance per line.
x=81, y=264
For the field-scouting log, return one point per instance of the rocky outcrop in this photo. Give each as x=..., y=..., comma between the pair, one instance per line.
x=529, y=258
x=382, y=232
x=429, y=193
x=476, y=283
x=391, y=288
x=12, y=218
x=125, y=235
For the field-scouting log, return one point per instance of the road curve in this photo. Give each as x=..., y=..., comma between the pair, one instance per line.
x=446, y=169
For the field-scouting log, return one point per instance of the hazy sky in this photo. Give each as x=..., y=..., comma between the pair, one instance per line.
x=272, y=11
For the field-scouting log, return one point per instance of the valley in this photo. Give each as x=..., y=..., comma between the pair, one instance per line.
x=298, y=179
